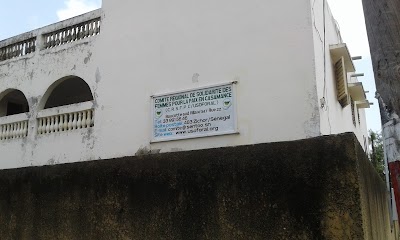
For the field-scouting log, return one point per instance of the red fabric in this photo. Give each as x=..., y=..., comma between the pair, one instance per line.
x=395, y=177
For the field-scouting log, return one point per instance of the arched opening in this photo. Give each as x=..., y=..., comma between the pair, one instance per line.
x=13, y=102
x=68, y=91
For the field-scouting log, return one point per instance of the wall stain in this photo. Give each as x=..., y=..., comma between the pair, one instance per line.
x=195, y=77
x=87, y=59
x=314, y=189
x=142, y=151
x=309, y=126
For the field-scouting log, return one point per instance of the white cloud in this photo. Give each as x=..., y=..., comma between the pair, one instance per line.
x=76, y=7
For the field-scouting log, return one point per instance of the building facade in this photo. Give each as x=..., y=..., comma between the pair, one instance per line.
x=137, y=78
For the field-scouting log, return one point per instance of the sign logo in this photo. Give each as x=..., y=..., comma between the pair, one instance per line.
x=227, y=103
x=158, y=113
x=199, y=112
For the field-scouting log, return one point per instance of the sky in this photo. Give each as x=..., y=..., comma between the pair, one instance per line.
x=19, y=16
x=350, y=16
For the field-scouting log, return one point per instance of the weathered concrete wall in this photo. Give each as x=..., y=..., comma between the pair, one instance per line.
x=334, y=118
x=273, y=52
x=375, y=201
x=320, y=188
x=33, y=75
x=382, y=19
x=144, y=49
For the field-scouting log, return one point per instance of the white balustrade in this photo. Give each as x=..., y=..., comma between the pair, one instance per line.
x=72, y=33
x=81, y=27
x=18, y=49
x=14, y=130
x=66, y=122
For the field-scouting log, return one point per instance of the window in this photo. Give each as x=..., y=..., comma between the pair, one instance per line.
x=343, y=64
x=353, y=114
x=341, y=82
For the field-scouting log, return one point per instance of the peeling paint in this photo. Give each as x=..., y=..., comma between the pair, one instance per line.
x=33, y=101
x=146, y=151
x=87, y=59
x=51, y=161
x=122, y=82
x=98, y=76
x=195, y=77
x=311, y=126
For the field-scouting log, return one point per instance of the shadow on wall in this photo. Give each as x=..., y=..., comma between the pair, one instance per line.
x=13, y=101
x=66, y=91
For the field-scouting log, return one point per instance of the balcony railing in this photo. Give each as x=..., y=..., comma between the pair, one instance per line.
x=72, y=33
x=14, y=126
x=52, y=120
x=66, y=118
x=18, y=49
x=70, y=30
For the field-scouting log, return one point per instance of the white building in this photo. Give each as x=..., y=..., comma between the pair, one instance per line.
x=120, y=80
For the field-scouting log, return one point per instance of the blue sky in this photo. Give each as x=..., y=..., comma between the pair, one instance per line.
x=350, y=16
x=18, y=16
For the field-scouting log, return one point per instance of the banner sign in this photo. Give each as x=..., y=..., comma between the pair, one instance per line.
x=195, y=113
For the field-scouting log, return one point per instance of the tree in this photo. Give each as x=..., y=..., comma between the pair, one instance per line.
x=376, y=155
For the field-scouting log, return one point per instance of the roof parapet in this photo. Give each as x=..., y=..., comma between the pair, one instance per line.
x=70, y=30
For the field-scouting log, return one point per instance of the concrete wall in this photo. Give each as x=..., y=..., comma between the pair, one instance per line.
x=151, y=48
x=24, y=75
x=319, y=188
x=165, y=45
x=376, y=212
x=334, y=118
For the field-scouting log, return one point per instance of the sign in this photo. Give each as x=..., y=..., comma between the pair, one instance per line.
x=196, y=113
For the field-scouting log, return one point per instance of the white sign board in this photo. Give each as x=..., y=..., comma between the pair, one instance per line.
x=195, y=113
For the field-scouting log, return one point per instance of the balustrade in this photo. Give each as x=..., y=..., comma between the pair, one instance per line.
x=72, y=33
x=66, y=122
x=18, y=49
x=70, y=30
x=14, y=130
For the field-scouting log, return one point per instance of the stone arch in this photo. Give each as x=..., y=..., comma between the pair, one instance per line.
x=66, y=91
x=13, y=101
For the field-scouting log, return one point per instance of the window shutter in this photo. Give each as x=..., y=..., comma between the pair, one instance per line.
x=341, y=82
x=353, y=114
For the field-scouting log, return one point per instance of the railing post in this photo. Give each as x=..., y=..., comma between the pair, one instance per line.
x=14, y=130
x=40, y=42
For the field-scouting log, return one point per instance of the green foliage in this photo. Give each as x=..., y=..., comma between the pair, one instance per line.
x=376, y=155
